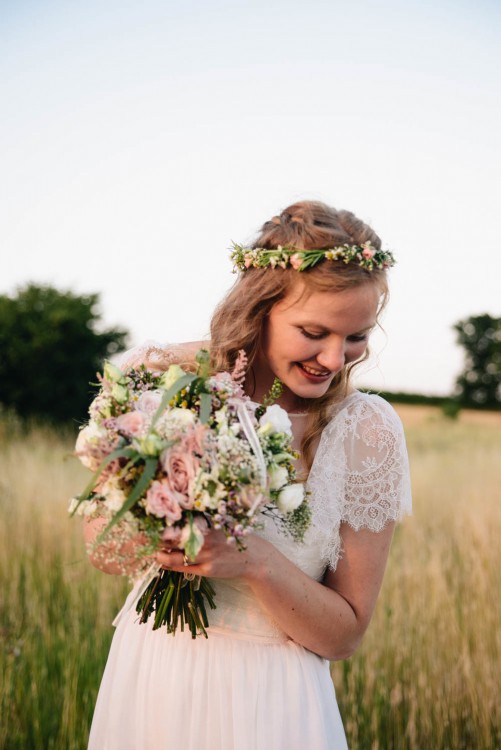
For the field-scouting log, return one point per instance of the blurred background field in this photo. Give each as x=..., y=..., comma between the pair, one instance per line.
x=426, y=676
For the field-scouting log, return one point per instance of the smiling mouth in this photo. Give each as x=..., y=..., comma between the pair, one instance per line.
x=321, y=374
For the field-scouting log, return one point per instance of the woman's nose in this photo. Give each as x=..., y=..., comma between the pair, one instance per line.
x=333, y=357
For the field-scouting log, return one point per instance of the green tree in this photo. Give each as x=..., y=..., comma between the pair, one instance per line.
x=50, y=350
x=479, y=385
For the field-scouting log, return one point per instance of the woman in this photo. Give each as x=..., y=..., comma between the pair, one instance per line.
x=262, y=680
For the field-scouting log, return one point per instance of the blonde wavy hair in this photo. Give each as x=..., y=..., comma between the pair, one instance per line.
x=239, y=319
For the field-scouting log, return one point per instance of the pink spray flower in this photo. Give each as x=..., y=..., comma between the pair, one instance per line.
x=296, y=261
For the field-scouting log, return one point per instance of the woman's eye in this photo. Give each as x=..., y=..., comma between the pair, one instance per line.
x=359, y=337
x=312, y=335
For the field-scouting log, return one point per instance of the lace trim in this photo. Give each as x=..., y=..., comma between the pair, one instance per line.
x=154, y=355
x=360, y=475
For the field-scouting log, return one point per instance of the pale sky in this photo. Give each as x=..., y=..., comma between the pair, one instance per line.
x=140, y=139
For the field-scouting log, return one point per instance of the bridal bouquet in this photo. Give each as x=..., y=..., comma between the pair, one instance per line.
x=176, y=453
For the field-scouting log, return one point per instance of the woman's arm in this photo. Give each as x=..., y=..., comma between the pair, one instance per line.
x=328, y=618
x=112, y=557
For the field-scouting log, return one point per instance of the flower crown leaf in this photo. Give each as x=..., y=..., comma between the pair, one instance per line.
x=365, y=255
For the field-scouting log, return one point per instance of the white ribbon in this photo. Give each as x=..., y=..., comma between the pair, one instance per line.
x=251, y=435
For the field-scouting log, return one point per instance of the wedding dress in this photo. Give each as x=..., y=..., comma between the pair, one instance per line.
x=248, y=686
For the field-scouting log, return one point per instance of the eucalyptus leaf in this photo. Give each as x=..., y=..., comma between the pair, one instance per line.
x=170, y=393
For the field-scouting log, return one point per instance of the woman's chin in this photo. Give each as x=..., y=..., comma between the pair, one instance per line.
x=303, y=385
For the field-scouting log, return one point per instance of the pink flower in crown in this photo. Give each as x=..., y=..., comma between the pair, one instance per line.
x=132, y=423
x=368, y=252
x=248, y=261
x=180, y=465
x=296, y=261
x=162, y=502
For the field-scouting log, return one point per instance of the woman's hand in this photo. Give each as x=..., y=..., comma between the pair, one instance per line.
x=329, y=617
x=220, y=559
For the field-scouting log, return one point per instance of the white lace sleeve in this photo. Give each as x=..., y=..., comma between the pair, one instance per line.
x=361, y=474
x=377, y=483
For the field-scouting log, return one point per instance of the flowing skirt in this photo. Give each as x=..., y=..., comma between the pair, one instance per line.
x=227, y=692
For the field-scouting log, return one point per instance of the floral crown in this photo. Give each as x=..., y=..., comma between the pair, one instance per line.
x=364, y=255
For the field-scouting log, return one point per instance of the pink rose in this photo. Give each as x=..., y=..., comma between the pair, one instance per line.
x=368, y=252
x=195, y=442
x=132, y=423
x=180, y=465
x=149, y=401
x=162, y=502
x=296, y=261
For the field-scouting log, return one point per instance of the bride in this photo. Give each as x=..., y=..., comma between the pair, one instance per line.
x=261, y=680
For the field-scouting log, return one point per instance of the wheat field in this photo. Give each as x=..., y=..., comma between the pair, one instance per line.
x=426, y=677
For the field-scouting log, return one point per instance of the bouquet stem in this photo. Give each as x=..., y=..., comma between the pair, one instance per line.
x=177, y=599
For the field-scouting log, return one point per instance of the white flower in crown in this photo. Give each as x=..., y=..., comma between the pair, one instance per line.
x=275, y=419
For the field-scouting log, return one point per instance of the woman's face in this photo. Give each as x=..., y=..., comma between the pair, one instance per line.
x=308, y=339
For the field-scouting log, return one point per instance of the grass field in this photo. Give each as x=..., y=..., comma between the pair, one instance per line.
x=427, y=676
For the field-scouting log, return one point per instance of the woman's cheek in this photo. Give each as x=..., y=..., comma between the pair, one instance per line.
x=355, y=351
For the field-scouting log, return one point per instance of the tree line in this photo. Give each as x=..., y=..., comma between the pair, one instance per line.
x=52, y=344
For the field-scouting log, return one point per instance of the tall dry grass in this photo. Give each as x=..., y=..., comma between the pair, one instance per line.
x=426, y=676
x=428, y=672
x=55, y=610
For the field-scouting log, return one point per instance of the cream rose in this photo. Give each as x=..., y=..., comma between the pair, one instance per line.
x=278, y=476
x=290, y=498
x=275, y=419
x=92, y=445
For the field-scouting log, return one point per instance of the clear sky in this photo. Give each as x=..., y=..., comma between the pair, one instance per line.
x=139, y=139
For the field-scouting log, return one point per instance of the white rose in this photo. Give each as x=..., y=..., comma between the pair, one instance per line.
x=290, y=498
x=182, y=417
x=278, y=476
x=174, y=421
x=149, y=401
x=114, y=496
x=276, y=419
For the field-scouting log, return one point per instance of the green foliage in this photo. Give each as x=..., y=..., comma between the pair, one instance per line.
x=451, y=408
x=479, y=385
x=51, y=350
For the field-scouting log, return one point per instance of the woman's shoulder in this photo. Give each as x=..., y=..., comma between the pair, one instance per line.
x=156, y=355
x=363, y=408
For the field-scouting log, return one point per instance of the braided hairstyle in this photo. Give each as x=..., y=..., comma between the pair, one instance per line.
x=239, y=319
